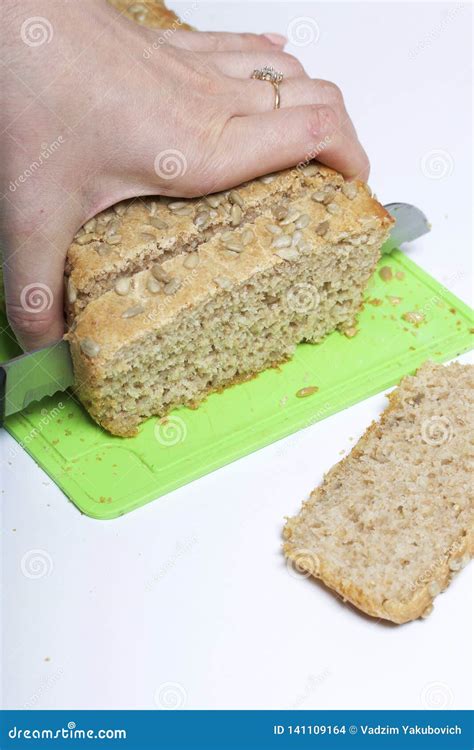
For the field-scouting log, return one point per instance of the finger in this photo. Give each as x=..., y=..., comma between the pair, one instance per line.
x=250, y=98
x=282, y=138
x=242, y=64
x=34, y=272
x=213, y=41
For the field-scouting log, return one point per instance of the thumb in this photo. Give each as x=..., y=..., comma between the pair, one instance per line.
x=34, y=256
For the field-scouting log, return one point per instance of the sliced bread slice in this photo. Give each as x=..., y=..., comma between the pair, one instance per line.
x=391, y=523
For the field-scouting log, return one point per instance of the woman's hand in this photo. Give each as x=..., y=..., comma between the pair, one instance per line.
x=105, y=109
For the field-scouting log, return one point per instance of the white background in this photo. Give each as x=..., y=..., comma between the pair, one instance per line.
x=192, y=589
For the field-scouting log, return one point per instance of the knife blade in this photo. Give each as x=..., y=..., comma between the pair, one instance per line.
x=34, y=375
x=410, y=223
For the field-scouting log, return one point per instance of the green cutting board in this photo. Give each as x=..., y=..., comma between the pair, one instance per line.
x=107, y=476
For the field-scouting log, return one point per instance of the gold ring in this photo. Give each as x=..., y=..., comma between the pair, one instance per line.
x=268, y=73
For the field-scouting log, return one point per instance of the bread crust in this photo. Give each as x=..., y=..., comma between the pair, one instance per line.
x=396, y=611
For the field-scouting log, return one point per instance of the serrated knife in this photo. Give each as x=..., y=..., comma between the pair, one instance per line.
x=32, y=376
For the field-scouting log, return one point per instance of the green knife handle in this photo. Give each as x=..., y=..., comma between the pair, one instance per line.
x=3, y=393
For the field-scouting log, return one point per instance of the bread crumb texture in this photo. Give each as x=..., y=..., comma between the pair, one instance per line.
x=170, y=299
x=391, y=523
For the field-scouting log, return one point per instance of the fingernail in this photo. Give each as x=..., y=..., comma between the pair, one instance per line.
x=276, y=39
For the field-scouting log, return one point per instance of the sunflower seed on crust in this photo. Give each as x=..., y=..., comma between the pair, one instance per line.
x=213, y=201
x=223, y=282
x=310, y=170
x=114, y=239
x=201, y=218
x=247, y=237
x=292, y=216
x=234, y=245
x=122, y=286
x=186, y=211
x=235, y=198
x=177, y=205
x=191, y=261
x=159, y=273
x=287, y=253
x=89, y=347
x=349, y=189
x=279, y=211
x=267, y=179
x=153, y=285
x=274, y=229
x=158, y=223
x=71, y=291
x=302, y=221
x=86, y=239
x=90, y=226
x=282, y=241
x=172, y=286
x=132, y=312
x=236, y=215
x=322, y=228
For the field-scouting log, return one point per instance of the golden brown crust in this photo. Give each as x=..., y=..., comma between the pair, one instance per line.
x=102, y=318
x=151, y=13
x=396, y=611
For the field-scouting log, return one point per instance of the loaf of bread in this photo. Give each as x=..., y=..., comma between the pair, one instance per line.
x=391, y=524
x=169, y=300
